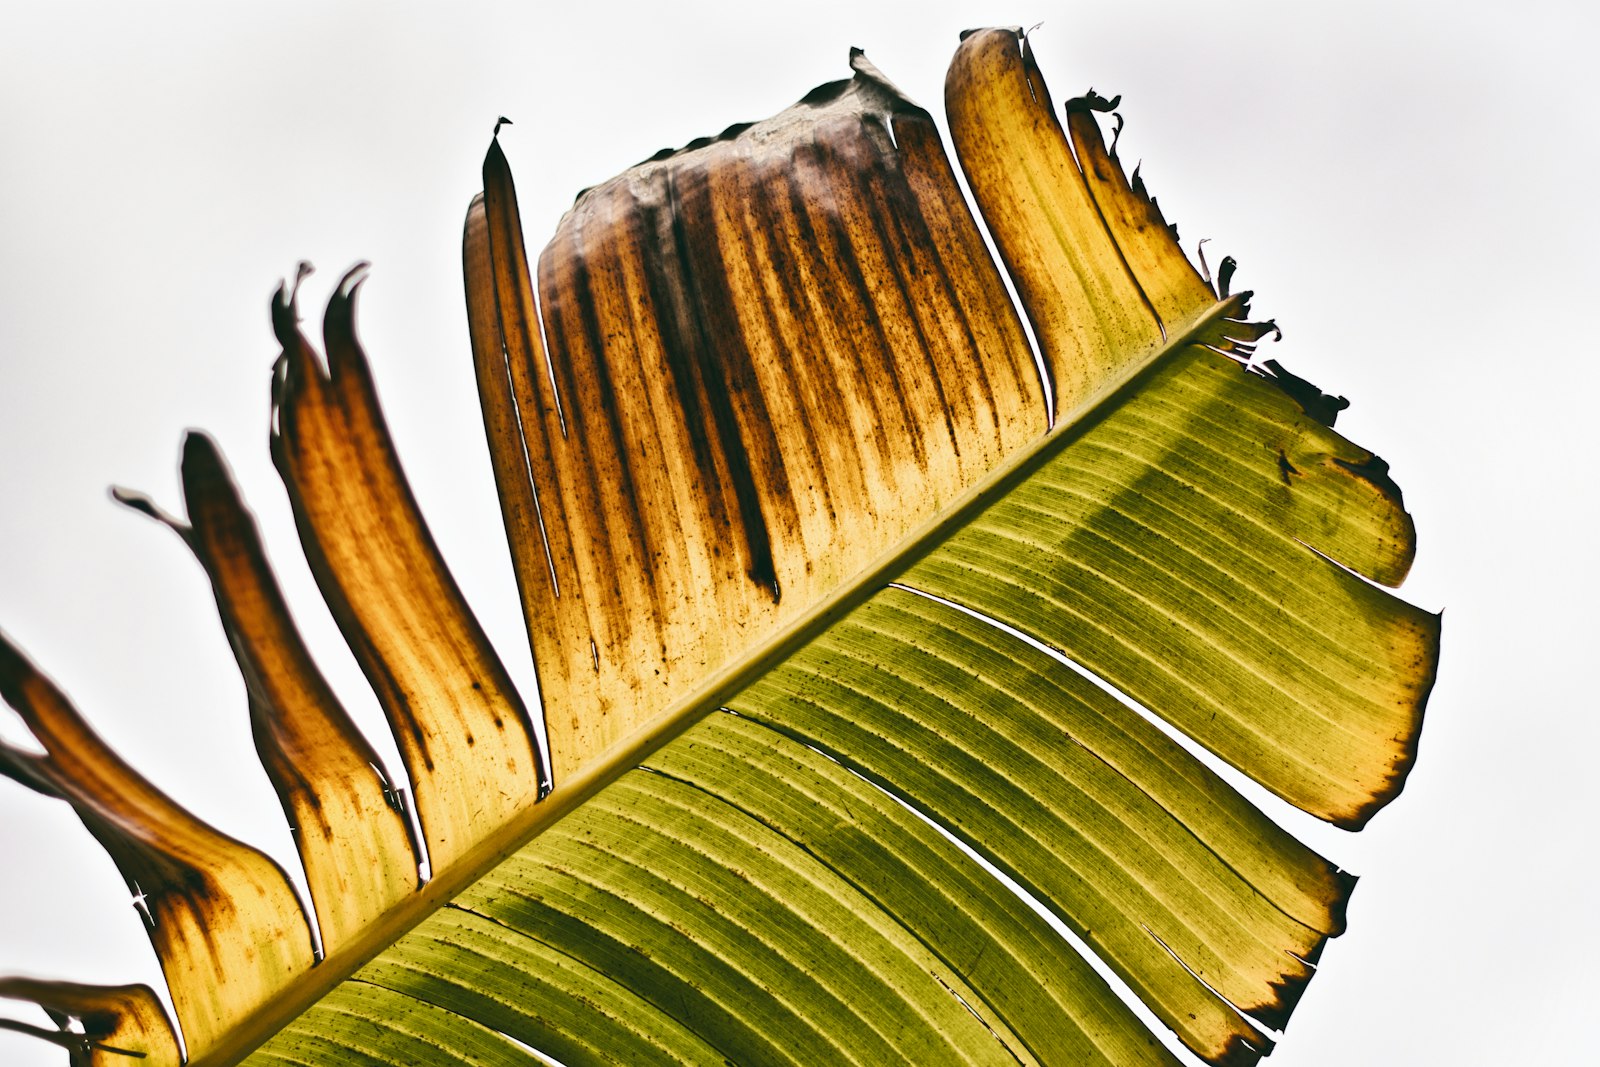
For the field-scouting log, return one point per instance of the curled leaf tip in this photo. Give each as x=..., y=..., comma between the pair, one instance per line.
x=285, y=316
x=200, y=455
x=285, y=301
x=1093, y=101
x=339, y=319
x=499, y=122
x=130, y=499
x=866, y=71
x=1199, y=248
x=143, y=504
x=1014, y=30
x=1312, y=400
x=1225, y=271
x=352, y=280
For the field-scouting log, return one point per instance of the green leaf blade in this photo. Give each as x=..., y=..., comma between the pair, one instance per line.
x=1297, y=672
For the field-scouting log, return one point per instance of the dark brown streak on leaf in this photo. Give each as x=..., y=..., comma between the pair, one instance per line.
x=666, y=275
x=915, y=232
x=761, y=225
x=824, y=392
x=889, y=205
x=932, y=183
x=701, y=335
x=605, y=440
x=502, y=416
x=536, y=478
x=853, y=299
x=575, y=343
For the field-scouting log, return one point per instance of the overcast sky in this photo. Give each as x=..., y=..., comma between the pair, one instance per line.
x=1408, y=187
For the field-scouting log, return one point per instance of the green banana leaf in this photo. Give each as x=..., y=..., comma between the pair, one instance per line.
x=872, y=652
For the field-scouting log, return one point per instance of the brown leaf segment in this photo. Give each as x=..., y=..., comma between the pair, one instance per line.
x=117, y=1026
x=224, y=921
x=771, y=355
x=460, y=725
x=348, y=820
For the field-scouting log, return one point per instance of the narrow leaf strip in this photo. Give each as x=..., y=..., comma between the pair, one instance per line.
x=117, y=1026
x=347, y=819
x=1149, y=245
x=494, y=332
x=226, y=925
x=1088, y=312
x=460, y=725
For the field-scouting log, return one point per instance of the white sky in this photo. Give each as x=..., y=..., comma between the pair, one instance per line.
x=1407, y=186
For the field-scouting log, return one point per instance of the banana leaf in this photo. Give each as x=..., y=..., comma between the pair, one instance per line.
x=874, y=650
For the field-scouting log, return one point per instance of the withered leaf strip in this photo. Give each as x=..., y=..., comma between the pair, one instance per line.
x=828, y=593
x=460, y=725
x=221, y=907
x=115, y=1025
x=348, y=819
